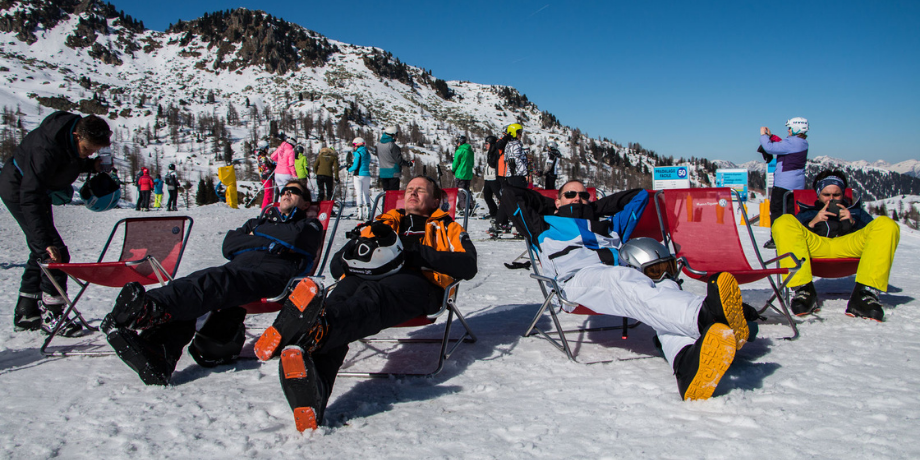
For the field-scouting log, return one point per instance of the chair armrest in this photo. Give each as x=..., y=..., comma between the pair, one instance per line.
x=798, y=262
x=556, y=288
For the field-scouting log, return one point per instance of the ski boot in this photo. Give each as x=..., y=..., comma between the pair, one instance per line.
x=52, y=308
x=299, y=321
x=27, y=316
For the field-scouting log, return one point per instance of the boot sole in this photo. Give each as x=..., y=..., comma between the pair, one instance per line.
x=307, y=300
x=730, y=298
x=716, y=355
x=134, y=358
x=298, y=384
x=851, y=315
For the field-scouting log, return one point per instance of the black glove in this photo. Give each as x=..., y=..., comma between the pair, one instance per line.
x=380, y=229
x=766, y=156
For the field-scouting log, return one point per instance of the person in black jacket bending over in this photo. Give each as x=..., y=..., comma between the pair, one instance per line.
x=41, y=172
x=264, y=254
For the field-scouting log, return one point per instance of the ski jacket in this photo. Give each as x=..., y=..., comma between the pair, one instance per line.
x=499, y=147
x=283, y=157
x=266, y=167
x=577, y=235
x=274, y=237
x=302, y=168
x=172, y=181
x=389, y=158
x=552, y=163
x=445, y=253
x=791, y=156
x=833, y=228
x=158, y=186
x=327, y=163
x=47, y=160
x=362, y=162
x=145, y=183
x=463, y=162
x=516, y=159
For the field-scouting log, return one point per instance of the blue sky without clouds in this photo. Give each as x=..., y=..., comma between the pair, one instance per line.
x=681, y=78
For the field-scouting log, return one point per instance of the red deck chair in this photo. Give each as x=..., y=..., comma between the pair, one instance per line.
x=322, y=211
x=647, y=227
x=393, y=199
x=825, y=268
x=150, y=253
x=701, y=226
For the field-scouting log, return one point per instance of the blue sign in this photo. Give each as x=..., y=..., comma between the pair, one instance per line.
x=668, y=177
x=736, y=179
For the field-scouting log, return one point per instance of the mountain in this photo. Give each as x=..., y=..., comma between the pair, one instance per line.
x=203, y=92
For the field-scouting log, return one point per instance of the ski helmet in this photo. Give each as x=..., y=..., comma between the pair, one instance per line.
x=262, y=145
x=391, y=130
x=649, y=257
x=514, y=129
x=552, y=145
x=100, y=193
x=798, y=125
x=145, y=171
x=491, y=140
x=298, y=150
x=374, y=257
x=172, y=167
x=461, y=139
x=358, y=141
x=292, y=141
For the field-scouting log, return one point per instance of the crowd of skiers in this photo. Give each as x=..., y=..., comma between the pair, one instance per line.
x=396, y=266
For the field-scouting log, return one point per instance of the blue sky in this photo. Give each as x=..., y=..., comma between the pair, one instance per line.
x=681, y=78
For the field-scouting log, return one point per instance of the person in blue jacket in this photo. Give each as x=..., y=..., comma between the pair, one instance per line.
x=158, y=192
x=361, y=170
x=791, y=156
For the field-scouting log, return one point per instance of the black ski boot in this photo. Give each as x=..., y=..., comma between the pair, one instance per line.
x=864, y=303
x=723, y=305
x=805, y=300
x=700, y=367
x=133, y=310
x=770, y=244
x=303, y=387
x=150, y=360
x=27, y=316
x=297, y=322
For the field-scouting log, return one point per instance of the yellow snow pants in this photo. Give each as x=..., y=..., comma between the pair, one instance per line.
x=157, y=200
x=873, y=244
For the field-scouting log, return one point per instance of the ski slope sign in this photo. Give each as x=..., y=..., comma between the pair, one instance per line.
x=667, y=177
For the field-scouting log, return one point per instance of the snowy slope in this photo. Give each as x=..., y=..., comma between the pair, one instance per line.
x=846, y=389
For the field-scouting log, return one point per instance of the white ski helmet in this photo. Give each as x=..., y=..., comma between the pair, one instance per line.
x=798, y=125
x=262, y=145
x=552, y=145
x=374, y=257
x=358, y=141
x=391, y=130
x=649, y=257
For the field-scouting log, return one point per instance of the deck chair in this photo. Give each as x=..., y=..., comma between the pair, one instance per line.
x=647, y=226
x=151, y=250
x=699, y=224
x=323, y=212
x=824, y=268
x=393, y=199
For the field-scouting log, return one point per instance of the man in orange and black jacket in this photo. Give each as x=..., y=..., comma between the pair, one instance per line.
x=314, y=334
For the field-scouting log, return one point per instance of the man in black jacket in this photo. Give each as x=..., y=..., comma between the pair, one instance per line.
x=41, y=173
x=264, y=254
x=312, y=334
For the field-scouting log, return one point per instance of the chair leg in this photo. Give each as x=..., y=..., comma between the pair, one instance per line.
x=71, y=307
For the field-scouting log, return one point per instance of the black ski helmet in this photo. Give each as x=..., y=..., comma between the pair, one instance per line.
x=461, y=139
x=491, y=140
x=172, y=167
x=298, y=150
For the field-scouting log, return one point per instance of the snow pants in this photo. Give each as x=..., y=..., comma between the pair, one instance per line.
x=390, y=183
x=172, y=204
x=280, y=180
x=362, y=190
x=268, y=195
x=491, y=189
x=324, y=188
x=143, y=200
x=157, y=200
x=33, y=280
x=357, y=308
x=623, y=291
x=777, y=195
x=873, y=244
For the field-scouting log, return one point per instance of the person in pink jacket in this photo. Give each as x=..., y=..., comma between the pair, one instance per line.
x=284, y=161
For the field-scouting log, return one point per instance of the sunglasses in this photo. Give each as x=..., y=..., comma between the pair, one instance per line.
x=572, y=194
x=293, y=191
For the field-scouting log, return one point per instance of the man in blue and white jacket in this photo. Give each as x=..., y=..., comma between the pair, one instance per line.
x=791, y=156
x=578, y=245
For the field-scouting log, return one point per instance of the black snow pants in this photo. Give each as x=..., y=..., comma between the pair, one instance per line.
x=490, y=189
x=33, y=282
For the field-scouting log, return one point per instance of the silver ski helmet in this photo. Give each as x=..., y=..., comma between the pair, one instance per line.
x=649, y=257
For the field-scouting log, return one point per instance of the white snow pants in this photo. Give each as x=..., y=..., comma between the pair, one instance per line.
x=280, y=180
x=624, y=291
x=362, y=190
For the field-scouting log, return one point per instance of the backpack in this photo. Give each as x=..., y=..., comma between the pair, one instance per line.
x=492, y=157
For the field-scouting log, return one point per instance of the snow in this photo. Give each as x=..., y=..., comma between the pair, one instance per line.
x=846, y=389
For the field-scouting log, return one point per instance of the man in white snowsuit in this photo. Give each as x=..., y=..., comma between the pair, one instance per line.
x=578, y=245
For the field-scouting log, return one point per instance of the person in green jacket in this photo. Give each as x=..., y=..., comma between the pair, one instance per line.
x=301, y=166
x=463, y=169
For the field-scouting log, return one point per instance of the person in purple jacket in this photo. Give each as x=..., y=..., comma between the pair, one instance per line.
x=791, y=156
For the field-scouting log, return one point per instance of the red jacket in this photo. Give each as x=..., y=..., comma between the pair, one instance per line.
x=145, y=183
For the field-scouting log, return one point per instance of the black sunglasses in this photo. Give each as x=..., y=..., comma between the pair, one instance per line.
x=572, y=194
x=292, y=190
